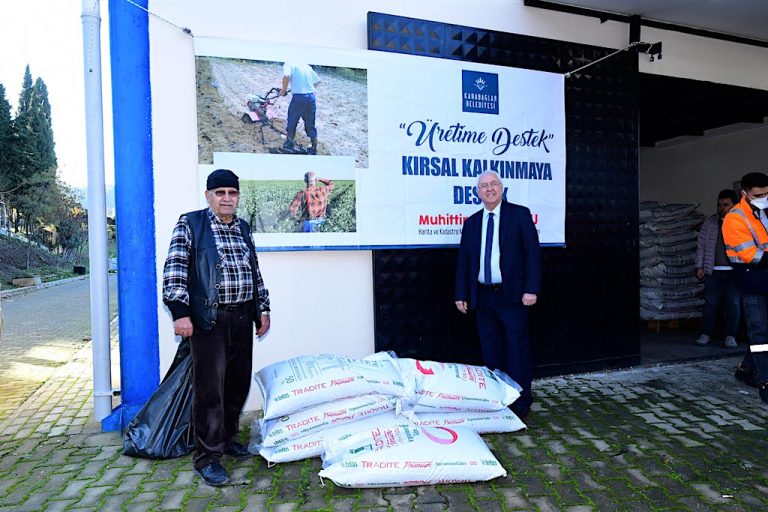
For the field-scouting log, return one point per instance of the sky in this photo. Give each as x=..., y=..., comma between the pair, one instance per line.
x=48, y=35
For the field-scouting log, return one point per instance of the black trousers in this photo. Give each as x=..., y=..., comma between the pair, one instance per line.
x=222, y=363
x=502, y=326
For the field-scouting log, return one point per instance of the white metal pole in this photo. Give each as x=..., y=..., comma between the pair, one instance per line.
x=97, y=211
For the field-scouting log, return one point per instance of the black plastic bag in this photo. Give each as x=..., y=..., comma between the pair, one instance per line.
x=163, y=428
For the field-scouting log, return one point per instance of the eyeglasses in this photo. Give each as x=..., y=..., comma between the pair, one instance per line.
x=491, y=184
x=222, y=193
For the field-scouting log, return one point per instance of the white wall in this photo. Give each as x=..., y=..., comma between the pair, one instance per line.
x=711, y=60
x=338, y=317
x=694, y=172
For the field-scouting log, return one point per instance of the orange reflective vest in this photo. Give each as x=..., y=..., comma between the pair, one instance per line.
x=745, y=237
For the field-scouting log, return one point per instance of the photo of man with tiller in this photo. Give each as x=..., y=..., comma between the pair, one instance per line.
x=301, y=79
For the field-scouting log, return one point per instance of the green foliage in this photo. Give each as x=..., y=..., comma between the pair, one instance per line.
x=42, y=127
x=8, y=148
x=29, y=186
x=34, y=115
x=25, y=98
x=264, y=204
x=35, y=165
x=71, y=221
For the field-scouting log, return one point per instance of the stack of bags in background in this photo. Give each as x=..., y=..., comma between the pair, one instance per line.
x=383, y=421
x=669, y=289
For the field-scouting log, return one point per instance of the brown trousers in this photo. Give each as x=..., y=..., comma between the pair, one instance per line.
x=221, y=363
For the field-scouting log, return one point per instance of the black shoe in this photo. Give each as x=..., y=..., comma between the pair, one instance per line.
x=746, y=375
x=213, y=474
x=741, y=373
x=237, y=450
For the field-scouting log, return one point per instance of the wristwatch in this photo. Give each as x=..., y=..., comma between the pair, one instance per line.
x=265, y=313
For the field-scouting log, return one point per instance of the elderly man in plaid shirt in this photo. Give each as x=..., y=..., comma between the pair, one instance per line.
x=309, y=205
x=213, y=288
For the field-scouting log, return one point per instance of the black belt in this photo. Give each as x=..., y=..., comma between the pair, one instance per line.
x=494, y=286
x=235, y=307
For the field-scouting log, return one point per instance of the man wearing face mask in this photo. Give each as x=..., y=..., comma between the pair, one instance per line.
x=745, y=233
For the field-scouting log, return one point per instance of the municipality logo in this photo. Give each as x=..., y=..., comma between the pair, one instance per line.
x=480, y=92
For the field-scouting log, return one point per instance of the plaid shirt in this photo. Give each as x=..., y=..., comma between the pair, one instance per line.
x=313, y=201
x=237, y=275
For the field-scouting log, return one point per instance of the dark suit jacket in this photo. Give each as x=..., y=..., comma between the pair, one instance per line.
x=519, y=256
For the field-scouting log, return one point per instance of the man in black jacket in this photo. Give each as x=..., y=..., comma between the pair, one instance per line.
x=498, y=274
x=214, y=290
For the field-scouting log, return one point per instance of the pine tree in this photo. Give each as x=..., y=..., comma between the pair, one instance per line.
x=7, y=146
x=25, y=98
x=42, y=126
x=36, y=156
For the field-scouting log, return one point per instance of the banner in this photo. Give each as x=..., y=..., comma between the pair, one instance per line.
x=400, y=143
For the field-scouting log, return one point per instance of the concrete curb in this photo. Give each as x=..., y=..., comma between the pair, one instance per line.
x=21, y=291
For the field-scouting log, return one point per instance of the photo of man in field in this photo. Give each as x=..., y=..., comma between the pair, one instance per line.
x=314, y=205
x=309, y=205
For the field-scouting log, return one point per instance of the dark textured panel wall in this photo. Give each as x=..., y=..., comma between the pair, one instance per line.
x=587, y=312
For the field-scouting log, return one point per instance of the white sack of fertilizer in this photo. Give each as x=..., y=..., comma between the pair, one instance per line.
x=432, y=387
x=407, y=455
x=295, y=384
x=490, y=422
x=311, y=445
x=321, y=417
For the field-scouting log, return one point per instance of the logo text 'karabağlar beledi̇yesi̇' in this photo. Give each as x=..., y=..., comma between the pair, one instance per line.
x=480, y=92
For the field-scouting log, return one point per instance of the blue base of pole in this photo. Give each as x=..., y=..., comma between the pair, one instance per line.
x=120, y=417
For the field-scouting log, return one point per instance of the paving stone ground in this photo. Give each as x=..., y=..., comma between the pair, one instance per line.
x=675, y=437
x=43, y=328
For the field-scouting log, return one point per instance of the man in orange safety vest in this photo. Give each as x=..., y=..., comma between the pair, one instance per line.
x=745, y=233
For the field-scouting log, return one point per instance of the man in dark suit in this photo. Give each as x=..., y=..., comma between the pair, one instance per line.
x=498, y=274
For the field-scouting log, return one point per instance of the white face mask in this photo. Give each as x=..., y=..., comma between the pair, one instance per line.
x=760, y=203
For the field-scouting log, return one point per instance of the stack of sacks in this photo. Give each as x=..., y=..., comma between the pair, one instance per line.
x=353, y=408
x=307, y=396
x=448, y=405
x=669, y=288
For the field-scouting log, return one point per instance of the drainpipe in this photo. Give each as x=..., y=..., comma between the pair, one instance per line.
x=97, y=211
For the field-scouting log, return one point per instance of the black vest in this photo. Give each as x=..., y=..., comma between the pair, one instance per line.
x=204, y=271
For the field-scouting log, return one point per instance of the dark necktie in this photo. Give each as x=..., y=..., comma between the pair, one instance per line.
x=488, y=249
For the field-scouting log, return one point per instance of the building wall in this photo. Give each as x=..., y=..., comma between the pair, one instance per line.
x=694, y=172
x=339, y=318
x=710, y=60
